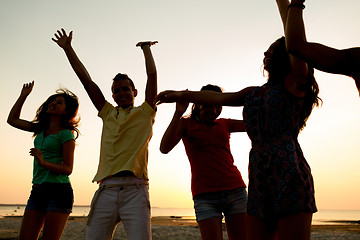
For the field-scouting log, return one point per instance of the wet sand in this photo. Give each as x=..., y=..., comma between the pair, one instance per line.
x=174, y=228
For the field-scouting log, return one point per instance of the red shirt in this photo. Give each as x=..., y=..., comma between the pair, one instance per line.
x=211, y=161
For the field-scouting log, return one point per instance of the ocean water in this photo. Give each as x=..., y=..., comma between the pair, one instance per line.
x=336, y=217
x=7, y=210
x=322, y=217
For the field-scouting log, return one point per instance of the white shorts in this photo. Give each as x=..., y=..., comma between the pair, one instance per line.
x=125, y=202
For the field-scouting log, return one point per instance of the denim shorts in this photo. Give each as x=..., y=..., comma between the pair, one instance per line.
x=51, y=197
x=217, y=204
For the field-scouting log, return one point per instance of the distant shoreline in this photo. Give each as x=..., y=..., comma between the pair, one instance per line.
x=323, y=217
x=76, y=205
x=185, y=219
x=23, y=205
x=79, y=205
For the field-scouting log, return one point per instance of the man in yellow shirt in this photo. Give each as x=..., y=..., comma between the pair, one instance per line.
x=123, y=194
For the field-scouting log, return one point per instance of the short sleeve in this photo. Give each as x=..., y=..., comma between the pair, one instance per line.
x=148, y=109
x=105, y=110
x=66, y=135
x=227, y=122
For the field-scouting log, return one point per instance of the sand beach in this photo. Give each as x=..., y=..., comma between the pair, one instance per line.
x=177, y=228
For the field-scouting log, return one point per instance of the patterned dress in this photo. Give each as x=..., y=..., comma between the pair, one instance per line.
x=280, y=180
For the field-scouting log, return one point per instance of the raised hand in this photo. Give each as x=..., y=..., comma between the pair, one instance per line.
x=149, y=43
x=168, y=96
x=27, y=88
x=62, y=39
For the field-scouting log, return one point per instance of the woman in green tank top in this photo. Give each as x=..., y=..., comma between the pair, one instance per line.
x=51, y=199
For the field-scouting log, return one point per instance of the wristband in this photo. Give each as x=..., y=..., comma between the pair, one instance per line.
x=298, y=5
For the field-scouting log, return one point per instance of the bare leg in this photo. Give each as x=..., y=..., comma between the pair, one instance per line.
x=31, y=225
x=236, y=226
x=54, y=226
x=211, y=229
x=260, y=230
x=295, y=227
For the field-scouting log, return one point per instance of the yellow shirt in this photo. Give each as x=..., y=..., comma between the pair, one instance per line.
x=124, y=142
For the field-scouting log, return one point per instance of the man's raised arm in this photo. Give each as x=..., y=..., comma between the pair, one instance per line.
x=91, y=88
x=151, y=84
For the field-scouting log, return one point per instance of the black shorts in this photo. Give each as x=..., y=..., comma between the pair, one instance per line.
x=51, y=197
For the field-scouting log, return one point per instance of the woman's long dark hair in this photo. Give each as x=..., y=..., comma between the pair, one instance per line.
x=277, y=64
x=69, y=121
x=195, y=110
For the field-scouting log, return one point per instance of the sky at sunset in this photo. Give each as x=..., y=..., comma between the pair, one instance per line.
x=200, y=42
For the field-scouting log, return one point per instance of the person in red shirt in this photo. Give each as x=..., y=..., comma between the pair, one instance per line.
x=217, y=186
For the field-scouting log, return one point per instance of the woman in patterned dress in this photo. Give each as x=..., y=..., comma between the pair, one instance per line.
x=280, y=191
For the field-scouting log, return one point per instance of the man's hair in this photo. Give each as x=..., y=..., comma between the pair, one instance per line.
x=121, y=76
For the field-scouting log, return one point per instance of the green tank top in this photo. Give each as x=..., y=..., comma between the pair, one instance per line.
x=51, y=148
